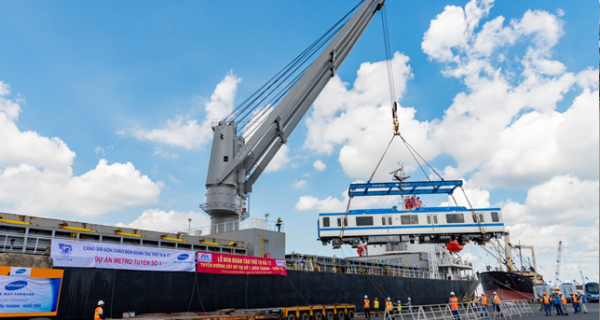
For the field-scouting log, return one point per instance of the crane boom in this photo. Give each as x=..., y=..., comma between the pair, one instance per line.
x=236, y=164
x=558, y=259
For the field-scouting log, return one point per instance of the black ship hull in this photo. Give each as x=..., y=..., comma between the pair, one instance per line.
x=509, y=286
x=162, y=292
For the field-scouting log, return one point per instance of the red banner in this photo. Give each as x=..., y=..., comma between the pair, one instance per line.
x=210, y=262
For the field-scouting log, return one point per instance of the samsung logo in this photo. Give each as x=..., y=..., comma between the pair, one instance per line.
x=20, y=271
x=16, y=285
x=183, y=256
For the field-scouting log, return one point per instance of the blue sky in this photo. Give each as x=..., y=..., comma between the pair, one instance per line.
x=87, y=81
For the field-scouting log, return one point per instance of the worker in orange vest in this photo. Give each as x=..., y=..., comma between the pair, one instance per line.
x=563, y=301
x=483, y=303
x=389, y=308
x=547, y=304
x=99, y=312
x=453, y=302
x=367, y=309
x=497, y=303
x=376, y=307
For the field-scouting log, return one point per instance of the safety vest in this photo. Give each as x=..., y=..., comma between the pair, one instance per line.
x=388, y=304
x=366, y=303
x=454, y=303
x=546, y=300
x=97, y=313
x=563, y=300
x=484, y=300
x=497, y=299
x=376, y=304
x=578, y=299
x=399, y=306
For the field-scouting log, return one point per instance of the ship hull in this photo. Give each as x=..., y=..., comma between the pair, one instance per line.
x=509, y=286
x=162, y=292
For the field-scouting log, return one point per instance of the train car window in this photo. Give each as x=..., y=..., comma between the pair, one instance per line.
x=383, y=221
x=325, y=222
x=339, y=220
x=495, y=217
x=390, y=221
x=428, y=219
x=345, y=222
x=435, y=219
x=455, y=218
x=481, y=217
x=409, y=219
x=364, y=221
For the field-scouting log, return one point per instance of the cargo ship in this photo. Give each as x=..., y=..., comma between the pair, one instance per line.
x=511, y=283
x=26, y=241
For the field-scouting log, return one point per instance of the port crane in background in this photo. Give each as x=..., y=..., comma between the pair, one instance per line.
x=237, y=161
x=558, y=259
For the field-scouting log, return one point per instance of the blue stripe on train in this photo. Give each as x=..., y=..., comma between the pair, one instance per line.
x=415, y=227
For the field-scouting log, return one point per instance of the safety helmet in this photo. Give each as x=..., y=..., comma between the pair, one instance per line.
x=544, y=293
x=572, y=293
x=483, y=294
x=495, y=292
x=388, y=298
x=366, y=297
x=452, y=293
x=375, y=298
x=100, y=302
x=408, y=298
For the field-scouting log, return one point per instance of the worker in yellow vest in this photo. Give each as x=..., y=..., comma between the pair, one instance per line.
x=453, y=302
x=399, y=307
x=389, y=308
x=575, y=302
x=484, y=305
x=367, y=309
x=99, y=312
x=376, y=307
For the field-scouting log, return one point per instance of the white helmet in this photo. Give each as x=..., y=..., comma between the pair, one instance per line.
x=366, y=297
x=398, y=301
x=388, y=298
x=408, y=298
x=100, y=302
x=452, y=293
x=495, y=292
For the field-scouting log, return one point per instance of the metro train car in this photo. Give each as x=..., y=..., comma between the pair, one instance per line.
x=422, y=224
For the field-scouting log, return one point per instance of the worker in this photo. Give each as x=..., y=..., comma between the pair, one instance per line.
x=279, y=221
x=541, y=301
x=484, y=305
x=547, y=306
x=376, y=307
x=497, y=303
x=582, y=302
x=575, y=299
x=366, y=308
x=563, y=302
x=408, y=305
x=389, y=308
x=556, y=302
x=453, y=302
x=399, y=307
x=99, y=312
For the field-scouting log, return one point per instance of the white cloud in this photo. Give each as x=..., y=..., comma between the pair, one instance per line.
x=36, y=176
x=298, y=184
x=319, y=165
x=172, y=221
x=187, y=133
x=280, y=160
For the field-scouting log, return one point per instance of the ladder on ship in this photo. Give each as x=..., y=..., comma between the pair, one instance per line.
x=433, y=263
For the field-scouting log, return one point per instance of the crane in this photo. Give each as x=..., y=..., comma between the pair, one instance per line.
x=558, y=258
x=235, y=164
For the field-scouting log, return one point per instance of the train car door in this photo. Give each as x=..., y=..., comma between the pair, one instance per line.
x=433, y=220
